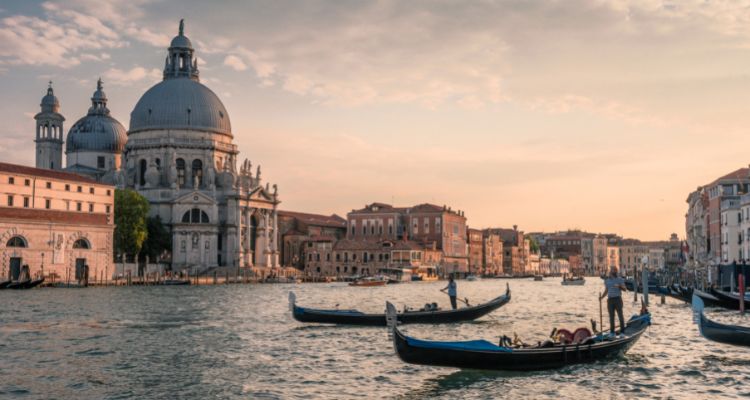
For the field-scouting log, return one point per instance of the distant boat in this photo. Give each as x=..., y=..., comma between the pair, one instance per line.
x=538, y=277
x=472, y=278
x=368, y=282
x=576, y=280
x=175, y=282
x=4, y=284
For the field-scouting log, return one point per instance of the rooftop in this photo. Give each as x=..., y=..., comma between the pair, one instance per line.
x=45, y=173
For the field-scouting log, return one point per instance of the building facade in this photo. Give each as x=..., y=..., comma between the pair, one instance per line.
x=59, y=224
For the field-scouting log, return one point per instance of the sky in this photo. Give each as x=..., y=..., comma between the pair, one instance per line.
x=552, y=115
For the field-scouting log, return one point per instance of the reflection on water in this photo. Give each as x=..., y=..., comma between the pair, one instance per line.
x=240, y=342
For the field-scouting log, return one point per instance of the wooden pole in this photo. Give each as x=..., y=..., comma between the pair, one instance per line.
x=742, y=293
x=601, y=314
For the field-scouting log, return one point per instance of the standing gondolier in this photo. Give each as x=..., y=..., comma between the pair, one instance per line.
x=451, y=288
x=613, y=287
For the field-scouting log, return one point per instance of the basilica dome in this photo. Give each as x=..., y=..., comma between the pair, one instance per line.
x=180, y=101
x=97, y=131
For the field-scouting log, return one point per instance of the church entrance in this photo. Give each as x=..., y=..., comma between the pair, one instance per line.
x=15, y=268
x=82, y=270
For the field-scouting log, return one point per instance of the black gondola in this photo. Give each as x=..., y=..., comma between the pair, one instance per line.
x=728, y=300
x=481, y=354
x=27, y=284
x=437, y=316
x=4, y=284
x=729, y=334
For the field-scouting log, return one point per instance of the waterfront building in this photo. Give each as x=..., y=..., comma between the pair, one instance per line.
x=299, y=229
x=476, y=251
x=594, y=255
x=731, y=235
x=428, y=225
x=515, y=250
x=631, y=256
x=492, y=253
x=744, y=229
x=59, y=224
x=557, y=266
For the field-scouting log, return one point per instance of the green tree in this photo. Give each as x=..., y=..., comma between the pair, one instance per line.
x=533, y=245
x=159, y=239
x=130, y=222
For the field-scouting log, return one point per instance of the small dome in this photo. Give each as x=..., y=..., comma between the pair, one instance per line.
x=96, y=133
x=50, y=103
x=180, y=104
x=182, y=42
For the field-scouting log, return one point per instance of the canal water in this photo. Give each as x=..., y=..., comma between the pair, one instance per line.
x=240, y=341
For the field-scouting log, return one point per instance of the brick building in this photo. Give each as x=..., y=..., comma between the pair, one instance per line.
x=59, y=224
x=298, y=229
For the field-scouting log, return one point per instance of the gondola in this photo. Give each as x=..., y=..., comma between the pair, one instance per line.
x=175, y=282
x=728, y=334
x=434, y=316
x=728, y=300
x=482, y=354
x=27, y=284
x=575, y=281
x=4, y=284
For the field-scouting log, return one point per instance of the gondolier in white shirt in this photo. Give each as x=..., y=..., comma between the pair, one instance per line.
x=613, y=287
x=451, y=288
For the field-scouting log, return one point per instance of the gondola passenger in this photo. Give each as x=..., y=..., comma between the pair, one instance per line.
x=614, y=285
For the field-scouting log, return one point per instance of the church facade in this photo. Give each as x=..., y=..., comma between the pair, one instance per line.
x=178, y=153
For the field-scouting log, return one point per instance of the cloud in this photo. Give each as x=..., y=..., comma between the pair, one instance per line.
x=120, y=77
x=235, y=63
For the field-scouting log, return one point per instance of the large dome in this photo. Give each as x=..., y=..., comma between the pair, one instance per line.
x=180, y=103
x=97, y=131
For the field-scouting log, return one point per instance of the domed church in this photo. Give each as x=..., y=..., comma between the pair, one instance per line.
x=179, y=154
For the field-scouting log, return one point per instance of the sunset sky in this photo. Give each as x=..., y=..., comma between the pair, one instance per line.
x=595, y=115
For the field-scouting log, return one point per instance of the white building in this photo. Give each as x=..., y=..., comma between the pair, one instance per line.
x=731, y=235
x=179, y=153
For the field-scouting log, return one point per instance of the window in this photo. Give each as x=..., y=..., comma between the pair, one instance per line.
x=426, y=226
x=27, y=182
x=26, y=202
x=91, y=208
x=10, y=201
x=67, y=187
x=16, y=241
x=81, y=244
x=309, y=257
x=67, y=205
x=338, y=257
x=49, y=185
x=109, y=192
x=107, y=209
x=198, y=171
x=11, y=180
x=80, y=189
x=195, y=216
x=142, y=172
x=328, y=256
x=180, y=164
x=47, y=203
x=91, y=190
x=100, y=162
x=79, y=206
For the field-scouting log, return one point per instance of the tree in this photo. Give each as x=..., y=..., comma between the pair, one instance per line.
x=533, y=245
x=130, y=222
x=159, y=239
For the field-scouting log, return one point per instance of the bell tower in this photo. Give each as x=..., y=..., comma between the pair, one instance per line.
x=49, y=132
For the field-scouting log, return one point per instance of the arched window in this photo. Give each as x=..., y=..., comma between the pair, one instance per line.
x=81, y=244
x=198, y=171
x=142, y=173
x=16, y=241
x=180, y=172
x=195, y=216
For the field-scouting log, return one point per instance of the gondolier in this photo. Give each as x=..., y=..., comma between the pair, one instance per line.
x=451, y=288
x=613, y=287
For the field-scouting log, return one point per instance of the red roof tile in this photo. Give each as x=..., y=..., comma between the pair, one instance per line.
x=316, y=219
x=48, y=173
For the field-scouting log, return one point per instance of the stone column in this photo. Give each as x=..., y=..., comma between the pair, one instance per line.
x=248, y=237
x=275, y=241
